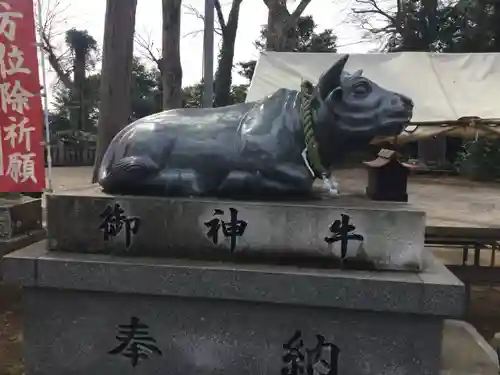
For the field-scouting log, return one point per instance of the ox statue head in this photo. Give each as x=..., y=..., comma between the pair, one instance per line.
x=351, y=110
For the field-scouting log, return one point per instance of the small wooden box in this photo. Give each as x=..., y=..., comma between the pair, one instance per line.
x=387, y=177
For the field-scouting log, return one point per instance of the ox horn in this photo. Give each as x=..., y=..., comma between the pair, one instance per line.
x=330, y=79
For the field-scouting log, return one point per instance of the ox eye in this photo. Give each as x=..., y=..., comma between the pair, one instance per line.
x=361, y=88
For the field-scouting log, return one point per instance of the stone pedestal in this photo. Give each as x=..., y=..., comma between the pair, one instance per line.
x=104, y=315
x=154, y=286
x=465, y=351
x=20, y=223
x=353, y=231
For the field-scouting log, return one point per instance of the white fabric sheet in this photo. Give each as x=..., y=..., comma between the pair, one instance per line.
x=444, y=87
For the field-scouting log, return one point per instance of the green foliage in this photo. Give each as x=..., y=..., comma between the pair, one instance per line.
x=480, y=159
x=246, y=69
x=437, y=26
x=146, y=99
x=74, y=137
x=470, y=26
x=146, y=95
x=193, y=94
x=238, y=93
x=309, y=40
x=458, y=26
x=81, y=43
x=58, y=122
x=146, y=90
x=76, y=92
x=63, y=102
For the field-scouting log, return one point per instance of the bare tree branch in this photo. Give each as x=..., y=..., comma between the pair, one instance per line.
x=192, y=11
x=233, y=13
x=51, y=17
x=220, y=15
x=381, y=20
x=296, y=13
x=192, y=33
x=148, y=49
x=375, y=10
x=300, y=8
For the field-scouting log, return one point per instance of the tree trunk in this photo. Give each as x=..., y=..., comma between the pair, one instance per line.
x=430, y=32
x=223, y=76
x=276, y=20
x=281, y=34
x=54, y=63
x=77, y=103
x=496, y=23
x=171, y=68
x=116, y=74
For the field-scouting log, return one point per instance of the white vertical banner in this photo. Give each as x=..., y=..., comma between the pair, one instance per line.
x=45, y=98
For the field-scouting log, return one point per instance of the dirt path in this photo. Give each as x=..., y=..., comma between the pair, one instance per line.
x=10, y=331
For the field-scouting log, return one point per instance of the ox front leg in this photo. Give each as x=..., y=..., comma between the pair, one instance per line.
x=178, y=181
x=241, y=183
x=279, y=183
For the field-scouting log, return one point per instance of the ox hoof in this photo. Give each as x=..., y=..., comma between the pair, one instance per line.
x=331, y=186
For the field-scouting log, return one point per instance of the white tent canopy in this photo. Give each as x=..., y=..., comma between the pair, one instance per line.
x=444, y=87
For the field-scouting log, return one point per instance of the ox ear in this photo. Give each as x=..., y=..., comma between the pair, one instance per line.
x=358, y=73
x=330, y=79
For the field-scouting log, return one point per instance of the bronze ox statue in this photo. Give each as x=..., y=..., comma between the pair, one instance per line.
x=252, y=149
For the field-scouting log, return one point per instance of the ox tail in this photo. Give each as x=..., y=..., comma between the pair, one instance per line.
x=128, y=174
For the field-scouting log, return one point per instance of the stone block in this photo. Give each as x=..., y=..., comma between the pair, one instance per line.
x=19, y=268
x=442, y=290
x=19, y=241
x=76, y=332
x=19, y=216
x=380, y=235
x=465, y=351
x=205, y=317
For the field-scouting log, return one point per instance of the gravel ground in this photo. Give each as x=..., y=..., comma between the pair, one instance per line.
x=448, y=201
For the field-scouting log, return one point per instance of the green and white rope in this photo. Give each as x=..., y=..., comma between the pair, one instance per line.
x=312, y=157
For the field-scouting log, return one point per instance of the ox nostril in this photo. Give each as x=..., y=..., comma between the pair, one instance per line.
x=406, y=100
x=398, y=100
